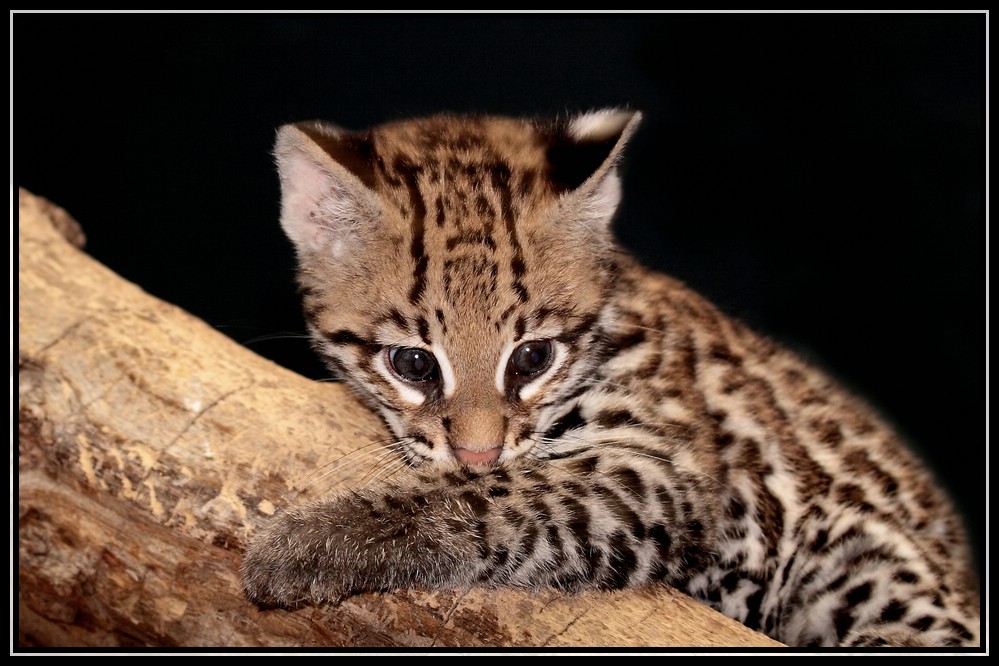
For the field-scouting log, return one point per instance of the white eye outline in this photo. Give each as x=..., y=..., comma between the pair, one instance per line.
x=534, y=383
x=511, y=366
x=407, y=389
x=432, y=376
x=446, y=370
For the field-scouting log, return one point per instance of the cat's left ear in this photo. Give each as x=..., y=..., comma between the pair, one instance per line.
x=327, y=205
x=583, y=158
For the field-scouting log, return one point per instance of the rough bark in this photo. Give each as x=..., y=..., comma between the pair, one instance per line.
x=150, y=447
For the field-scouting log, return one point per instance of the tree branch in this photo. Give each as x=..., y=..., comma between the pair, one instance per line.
x=150, y=447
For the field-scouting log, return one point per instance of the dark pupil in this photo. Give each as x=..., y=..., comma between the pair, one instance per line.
x=531, y=357
x=414, y=364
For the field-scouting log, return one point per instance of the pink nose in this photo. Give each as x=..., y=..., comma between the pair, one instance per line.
x=470, y=457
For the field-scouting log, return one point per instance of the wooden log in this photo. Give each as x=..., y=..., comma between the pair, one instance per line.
x=150, y=447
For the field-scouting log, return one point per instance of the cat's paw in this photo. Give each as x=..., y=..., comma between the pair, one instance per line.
x=270, y=580
x=292, y=562
x=339, y=545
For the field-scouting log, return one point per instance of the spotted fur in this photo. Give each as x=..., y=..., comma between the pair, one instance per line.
x=661, y=441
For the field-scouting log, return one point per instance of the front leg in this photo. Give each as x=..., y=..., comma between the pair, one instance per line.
x=584, y=522
x=381, y=538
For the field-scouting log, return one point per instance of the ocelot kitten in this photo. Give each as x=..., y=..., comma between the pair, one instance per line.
x=571, y=419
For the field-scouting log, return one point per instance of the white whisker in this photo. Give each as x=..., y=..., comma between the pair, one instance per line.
x=639, y=326
x=384, y=472
x=373, y=452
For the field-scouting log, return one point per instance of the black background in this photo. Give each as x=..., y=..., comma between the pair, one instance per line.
x=819, y=176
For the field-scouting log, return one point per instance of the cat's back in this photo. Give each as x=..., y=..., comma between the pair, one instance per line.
x=813, y=482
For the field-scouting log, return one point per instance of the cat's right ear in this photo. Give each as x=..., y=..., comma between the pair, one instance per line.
x=326, y=178
x=583, y=155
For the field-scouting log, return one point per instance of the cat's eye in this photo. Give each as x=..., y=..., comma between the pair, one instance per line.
x=413, y=364
x=531, y=358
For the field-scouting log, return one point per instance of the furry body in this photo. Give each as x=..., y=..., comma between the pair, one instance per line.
x=573, y=419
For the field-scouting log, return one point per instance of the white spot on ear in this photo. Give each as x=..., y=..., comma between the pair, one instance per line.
x=447, y=371
x=599, y=125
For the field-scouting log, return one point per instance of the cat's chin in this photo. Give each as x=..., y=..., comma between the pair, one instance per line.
x=478, y=458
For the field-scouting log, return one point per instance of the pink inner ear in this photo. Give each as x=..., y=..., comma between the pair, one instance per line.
x=606, y=197
x=304, y=184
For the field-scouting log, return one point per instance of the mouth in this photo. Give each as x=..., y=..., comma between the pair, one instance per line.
x=470, y=457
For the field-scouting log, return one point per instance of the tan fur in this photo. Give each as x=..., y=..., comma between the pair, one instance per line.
x=652, y=439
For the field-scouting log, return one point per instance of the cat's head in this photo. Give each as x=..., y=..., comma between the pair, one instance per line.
x=456, y=269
